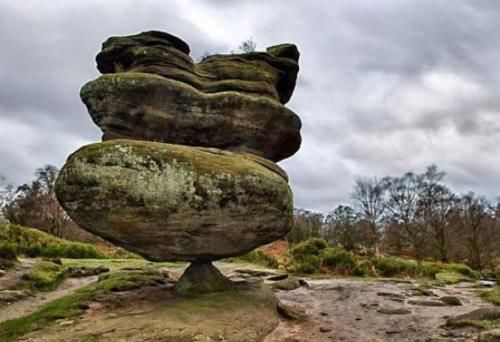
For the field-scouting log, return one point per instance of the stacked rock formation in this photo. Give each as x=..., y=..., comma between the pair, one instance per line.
x=186, y=171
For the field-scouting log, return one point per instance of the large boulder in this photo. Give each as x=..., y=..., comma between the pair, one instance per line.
x=149, y=107
x=169, y=202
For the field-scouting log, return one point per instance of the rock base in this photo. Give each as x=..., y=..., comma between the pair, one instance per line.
x=243, y=314
x=201, y=278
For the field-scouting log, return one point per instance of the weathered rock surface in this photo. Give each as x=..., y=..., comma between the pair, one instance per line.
x=153, y=91
x=202, y=278
x=394, y=311
x=168, y=202
x=271, y=74
x=149, y=107
x=154, y=314
x=481, y=314
x=451, y=300
x=492, y=335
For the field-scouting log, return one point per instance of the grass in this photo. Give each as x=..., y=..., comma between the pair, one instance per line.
x=17, y=240
x=480, y=324
x=450, y=277
x=74, y=305
x=116, y=264
x=314, y=256
x=46, y=275
x=257, y=257
x=43, y=276
x=492, y=295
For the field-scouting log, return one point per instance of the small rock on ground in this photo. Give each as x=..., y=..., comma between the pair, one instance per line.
x=426, y=303
x=291, y=312
x=451, y=300
x=394, y=311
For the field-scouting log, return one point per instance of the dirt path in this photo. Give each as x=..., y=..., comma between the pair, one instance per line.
x=349, y=310
x=28, y=305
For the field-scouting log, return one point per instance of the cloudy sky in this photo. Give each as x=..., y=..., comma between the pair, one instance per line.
x=385, y=86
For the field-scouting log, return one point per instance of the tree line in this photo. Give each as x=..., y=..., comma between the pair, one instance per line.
x=413, y=215
x=34, y=204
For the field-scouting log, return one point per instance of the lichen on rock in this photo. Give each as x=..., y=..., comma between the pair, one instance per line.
x=171, y=202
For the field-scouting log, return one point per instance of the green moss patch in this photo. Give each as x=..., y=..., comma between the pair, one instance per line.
x=43, y=276
x=492, y=295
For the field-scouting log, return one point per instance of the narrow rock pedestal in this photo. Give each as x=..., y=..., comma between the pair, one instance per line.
x=200, y=278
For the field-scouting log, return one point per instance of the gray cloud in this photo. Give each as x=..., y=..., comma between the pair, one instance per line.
x=385, y=86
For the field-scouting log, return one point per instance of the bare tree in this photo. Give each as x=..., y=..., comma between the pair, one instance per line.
x=248, y=46
x=479, y=228
x=369, y=198
x=35, y=205
x=341, y=228
x=204, y=56
x=436, y=205
x=306, y=224
x=6, y=196
x=404, y=206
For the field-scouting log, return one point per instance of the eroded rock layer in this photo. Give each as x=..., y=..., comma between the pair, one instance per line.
x=170, y=202
x=149, y=107
x=235, y=102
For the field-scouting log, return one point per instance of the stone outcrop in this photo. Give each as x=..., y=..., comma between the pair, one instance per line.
x=186, y=170
x=153, y=91
x=172, y=202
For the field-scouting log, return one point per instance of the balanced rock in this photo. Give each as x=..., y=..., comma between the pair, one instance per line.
x=153, y=91
x=171, y=202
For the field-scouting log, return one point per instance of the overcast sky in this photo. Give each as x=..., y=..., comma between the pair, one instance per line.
x=385, y=86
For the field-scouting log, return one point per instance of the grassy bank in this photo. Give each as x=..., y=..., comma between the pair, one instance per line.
x=315, y=256
x=22, y=241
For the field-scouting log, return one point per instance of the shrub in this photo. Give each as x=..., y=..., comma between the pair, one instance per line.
x=259, y=257
x=8, y=251
x=342, y=262
x=390, y=267
x=496, y=273
x=312, y=246
x=308, y=264
x=248, y=46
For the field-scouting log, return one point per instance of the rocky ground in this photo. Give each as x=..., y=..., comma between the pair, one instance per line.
x=380, y=310
x=331, y=309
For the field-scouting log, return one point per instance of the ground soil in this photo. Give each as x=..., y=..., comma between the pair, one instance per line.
x=336, y=309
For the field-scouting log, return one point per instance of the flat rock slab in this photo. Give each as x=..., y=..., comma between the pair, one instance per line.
x=241, y=315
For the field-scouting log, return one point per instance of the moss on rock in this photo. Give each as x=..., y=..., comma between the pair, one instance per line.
x=169, y=202
x=149, y=107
